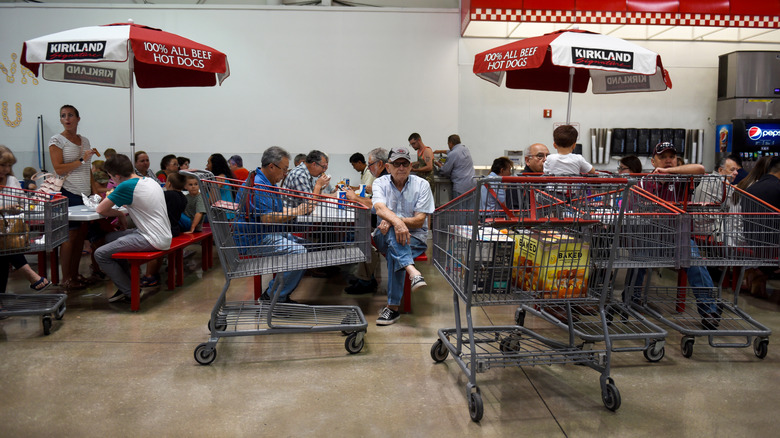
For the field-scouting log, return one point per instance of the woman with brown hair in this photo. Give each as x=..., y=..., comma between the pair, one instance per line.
x=71, y=156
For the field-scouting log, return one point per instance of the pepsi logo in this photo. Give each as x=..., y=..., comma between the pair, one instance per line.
x=754, y=133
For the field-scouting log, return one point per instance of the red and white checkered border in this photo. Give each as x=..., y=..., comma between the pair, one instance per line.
x=600, y=17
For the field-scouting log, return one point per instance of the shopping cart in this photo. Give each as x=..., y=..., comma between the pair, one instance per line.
x=649, y=236
x=724, y=227
x=32, y=222
x=334, y=232
x=534, y=252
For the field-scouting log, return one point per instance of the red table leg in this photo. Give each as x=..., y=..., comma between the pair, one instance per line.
x=682, y=282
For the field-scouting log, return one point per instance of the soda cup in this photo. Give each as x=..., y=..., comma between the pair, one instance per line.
x=723, y=139
x=342, y=198
x=362, y=191
x=346, y=182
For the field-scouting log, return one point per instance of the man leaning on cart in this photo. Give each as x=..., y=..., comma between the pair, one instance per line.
x=664, y=160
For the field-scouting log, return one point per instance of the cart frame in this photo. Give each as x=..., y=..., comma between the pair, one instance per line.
x=238, y=234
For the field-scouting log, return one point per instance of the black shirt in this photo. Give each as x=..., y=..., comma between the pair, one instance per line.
x=767, y=189
x=175, y=203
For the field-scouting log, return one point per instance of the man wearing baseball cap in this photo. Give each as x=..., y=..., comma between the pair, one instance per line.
x=664, y=161
x=402, y=203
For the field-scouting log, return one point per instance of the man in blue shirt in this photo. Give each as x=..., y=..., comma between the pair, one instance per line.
x=403, y=203
x=256, y=235
x=459, y=167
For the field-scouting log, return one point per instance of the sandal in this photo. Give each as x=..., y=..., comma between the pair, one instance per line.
x=41, y=284
x=84, y=280
x=72, y=285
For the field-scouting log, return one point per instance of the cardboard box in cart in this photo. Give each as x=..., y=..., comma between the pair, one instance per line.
x=555, y=263
x=492, y=258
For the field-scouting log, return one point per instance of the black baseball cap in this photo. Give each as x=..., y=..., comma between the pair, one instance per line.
x=660, y=148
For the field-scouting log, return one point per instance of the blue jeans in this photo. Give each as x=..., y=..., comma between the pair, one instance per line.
x=398, y=257
x=698, y=278
x=276, y=244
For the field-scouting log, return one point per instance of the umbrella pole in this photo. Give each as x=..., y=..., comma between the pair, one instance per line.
x=132, y=118
x=571, y=85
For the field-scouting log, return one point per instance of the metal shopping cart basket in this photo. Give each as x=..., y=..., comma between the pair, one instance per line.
x=255, y=235
x=32, y=222
x=724, y=227
x=648, y=236
x=534, y=251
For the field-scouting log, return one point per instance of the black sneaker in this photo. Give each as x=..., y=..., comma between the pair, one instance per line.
x=417, y=282
x=388, y=316
x=118, y=296
x=361, y=287
x=711, y=322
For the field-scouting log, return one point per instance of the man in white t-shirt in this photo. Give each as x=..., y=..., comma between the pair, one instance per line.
x=145, y=203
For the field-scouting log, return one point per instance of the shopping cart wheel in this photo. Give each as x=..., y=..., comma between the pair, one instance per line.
x=654, y=354
x=221, y=326
x=510, y=344
x=46, y=321
x=520, y=316
x=475, y=406
x=686, y=346
x=352, y=344
x=760, y=347
x=204, y=354
x=60, y=313
x=439, y=351
x=611, y=397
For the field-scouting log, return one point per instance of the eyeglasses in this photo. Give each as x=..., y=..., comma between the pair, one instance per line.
x=621, y=168
x=324, y=166
x=401, y=163
x=372, y=163
x=540, y=156
x=286, y=171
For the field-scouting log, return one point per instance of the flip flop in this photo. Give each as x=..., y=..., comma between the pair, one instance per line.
x=41, y=284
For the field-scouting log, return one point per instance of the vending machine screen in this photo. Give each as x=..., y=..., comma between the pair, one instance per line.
x=756, y=138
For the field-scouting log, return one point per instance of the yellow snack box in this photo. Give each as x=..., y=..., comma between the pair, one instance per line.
x=555, y=264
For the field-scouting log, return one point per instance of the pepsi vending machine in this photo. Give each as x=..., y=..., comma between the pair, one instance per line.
x=752, y=139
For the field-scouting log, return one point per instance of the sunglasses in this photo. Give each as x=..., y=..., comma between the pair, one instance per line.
x=401, y=163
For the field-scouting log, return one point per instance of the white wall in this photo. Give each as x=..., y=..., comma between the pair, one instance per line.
x=341, y=81
x=493, y=118
x=336, y=79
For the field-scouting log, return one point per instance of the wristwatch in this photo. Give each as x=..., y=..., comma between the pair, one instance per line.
x=81, y=159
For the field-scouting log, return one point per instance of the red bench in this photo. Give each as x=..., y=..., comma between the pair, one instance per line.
x=175, y=262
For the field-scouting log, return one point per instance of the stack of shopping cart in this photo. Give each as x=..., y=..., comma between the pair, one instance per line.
x=722, y=227
x=544, y=250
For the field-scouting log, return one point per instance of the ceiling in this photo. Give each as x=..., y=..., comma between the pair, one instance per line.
x=488, y=28
x=518, y=30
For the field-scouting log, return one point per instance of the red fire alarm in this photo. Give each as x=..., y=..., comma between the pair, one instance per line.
x=547, y=113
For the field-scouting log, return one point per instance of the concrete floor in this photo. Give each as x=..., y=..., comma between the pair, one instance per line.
x=105, y=371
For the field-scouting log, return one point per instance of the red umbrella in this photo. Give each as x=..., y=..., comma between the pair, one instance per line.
x=112, y=55
x=567, y=60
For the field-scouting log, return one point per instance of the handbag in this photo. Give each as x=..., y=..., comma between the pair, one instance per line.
x=50, y=183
